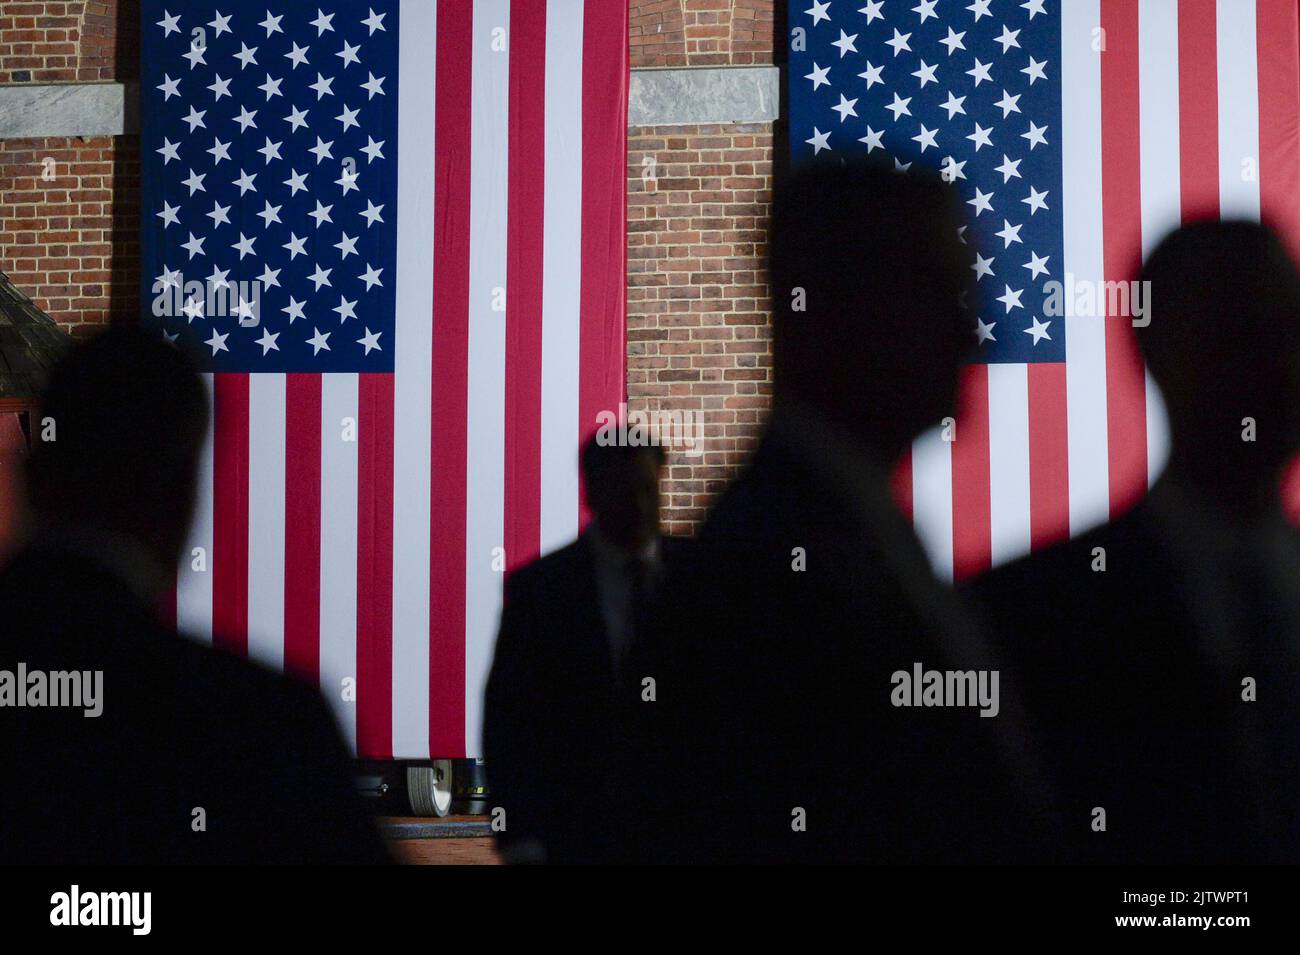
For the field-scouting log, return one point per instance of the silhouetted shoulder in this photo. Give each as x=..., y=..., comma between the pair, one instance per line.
x=188, y=737
x=1062, y=579
x=774, y=497
x=532, y=579
x=271, y=742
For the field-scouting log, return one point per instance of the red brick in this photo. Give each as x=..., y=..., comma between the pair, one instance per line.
x=57, y=247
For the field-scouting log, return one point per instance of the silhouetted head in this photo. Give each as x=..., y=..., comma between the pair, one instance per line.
x=622, y=484
x=127, y=414
x=867, y=271
x=1223, y=343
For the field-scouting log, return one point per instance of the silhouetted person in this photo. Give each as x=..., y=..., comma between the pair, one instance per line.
x=1136, y=638
x=773, y=736
x=552, y=724
x=194, y=756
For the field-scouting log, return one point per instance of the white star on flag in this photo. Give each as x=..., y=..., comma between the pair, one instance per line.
x=819, y=140
x=267, y=341
x=1011, y=299
x=899, y=42
x=981, y=202
x=1037, y=265
x=1038, y=330
x=345, y=309
x=1036, y=200
x=218, y=341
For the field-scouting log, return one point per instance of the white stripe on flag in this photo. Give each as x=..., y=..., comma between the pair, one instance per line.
x=485, y=408
x=338, y=547
x=1157, y=431
x=1085, y=374
x=194, y=588
x=412, y=380
x=561, y=273
x=1161, y=160
x=1009, y=461
x=932, y=499
x=266, y=555
x=1161, y=172
x=1238, y=110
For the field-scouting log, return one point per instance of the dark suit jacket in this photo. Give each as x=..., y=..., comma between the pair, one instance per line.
x=1143, y=717
x=774, y=691
x=182, y=728
x=553, y=717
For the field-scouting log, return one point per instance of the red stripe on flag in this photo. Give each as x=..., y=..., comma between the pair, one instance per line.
x=302, y=502
x=228, y=561
x=525, y=222
x=602, y=344
x=167, y=602
x=375, y=565
x=900, y=484
x=1277, y=52
x=972, y=494
x=1049, y=455
x=1126, y=426
x=450, y=379
x=1198, y=109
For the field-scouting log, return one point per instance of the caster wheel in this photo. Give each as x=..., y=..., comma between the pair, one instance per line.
x=429, y=788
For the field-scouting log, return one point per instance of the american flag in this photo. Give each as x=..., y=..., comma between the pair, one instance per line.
x=1078, y=132
x=395, y=232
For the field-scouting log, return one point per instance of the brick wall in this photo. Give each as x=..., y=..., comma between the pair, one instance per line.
x=86, y=41
x=698, y=316
x=69, y=218
x=698, y=311
x=69, y=207
x=701, y=32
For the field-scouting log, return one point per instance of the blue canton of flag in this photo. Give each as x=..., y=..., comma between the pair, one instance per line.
x=269, y=164
x=972, y=90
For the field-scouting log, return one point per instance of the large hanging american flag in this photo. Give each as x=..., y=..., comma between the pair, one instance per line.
x=395, y=232
x=1078, y=132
